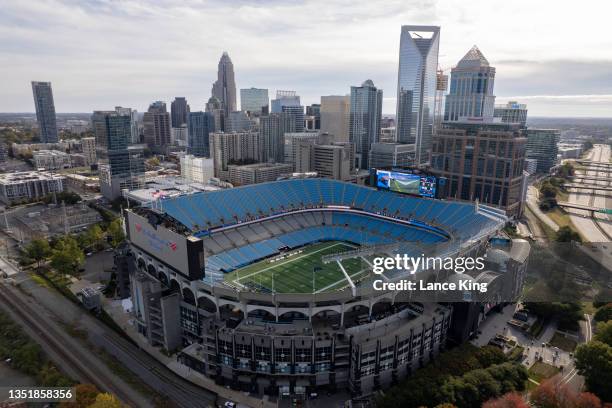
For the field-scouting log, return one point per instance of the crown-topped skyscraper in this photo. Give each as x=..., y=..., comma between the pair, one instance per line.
x=471, y=89
x=224, y=87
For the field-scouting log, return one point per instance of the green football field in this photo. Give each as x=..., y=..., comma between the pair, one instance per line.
x=299, y=270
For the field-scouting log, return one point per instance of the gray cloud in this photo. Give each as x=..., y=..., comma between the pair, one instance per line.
x=99, y=54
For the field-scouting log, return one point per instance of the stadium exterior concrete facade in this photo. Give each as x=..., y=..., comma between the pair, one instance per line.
x=291, y=343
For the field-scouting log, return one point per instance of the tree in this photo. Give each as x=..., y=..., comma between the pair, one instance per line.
x=94, y=236
x=566, y=234
x=67, y=257
x=510, y=400
x=604, y=313
x=105, y=400
x=594, y=362
x=115, y=232
x=604, y=332
x=85, y=396
x=38, y=250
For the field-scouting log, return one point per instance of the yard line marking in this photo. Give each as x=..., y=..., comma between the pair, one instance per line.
x=290, y=260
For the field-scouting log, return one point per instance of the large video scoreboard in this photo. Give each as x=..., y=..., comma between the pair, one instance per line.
x=407, y=183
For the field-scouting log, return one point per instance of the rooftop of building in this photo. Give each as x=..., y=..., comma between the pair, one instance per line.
x=23, y=176
x=167, y=187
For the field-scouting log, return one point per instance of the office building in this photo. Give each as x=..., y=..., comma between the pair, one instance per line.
x=441, y=88
x=197, y=169
x=121, y=165
x=291, y=141
x=383, y=155
x=254, y=100
x=45, y=111
x=512, y=112
x=51, y=160
x=238, y=121
x=25, y=186
x=364, y=119
x=335, y=116
x=289, y=102
x=471, y=89
x=272, y=129
x=531, y=166
x=543, y=146
x=134, y=129
x=224, y=88
x=180, y=135
x=387, y=135
x=234, y=148
x=201, y=125
x=483, y=161
x=179, y=112
x=312, y=119
x=416, y=87
x=322, y=155
x=215, y=108
x=156, y=122
x=241, y=175
x=3, y=154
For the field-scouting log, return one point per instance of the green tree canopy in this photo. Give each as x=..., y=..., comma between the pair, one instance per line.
x=66, y=256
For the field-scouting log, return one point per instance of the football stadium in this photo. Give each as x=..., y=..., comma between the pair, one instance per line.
x=267, y=288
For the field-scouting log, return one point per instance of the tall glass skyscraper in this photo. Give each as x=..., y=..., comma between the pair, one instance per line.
x=254, y=100
x=365, y=115
x=201, y=125
x=416, y=88
x=471, y=89
x=289, y=102
x=179, y=112
x=45, y=111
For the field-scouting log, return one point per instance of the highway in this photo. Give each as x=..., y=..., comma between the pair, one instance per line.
x=598, y=229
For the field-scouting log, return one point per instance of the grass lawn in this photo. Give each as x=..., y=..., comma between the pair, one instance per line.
x=540, y=371
x=563, y=342
x=294, y=273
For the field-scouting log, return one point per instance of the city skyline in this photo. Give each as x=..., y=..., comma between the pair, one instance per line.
x=534, y=64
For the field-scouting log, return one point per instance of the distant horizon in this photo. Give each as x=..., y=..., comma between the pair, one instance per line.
x=384, y=114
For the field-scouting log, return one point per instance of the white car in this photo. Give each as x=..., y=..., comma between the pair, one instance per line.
x=229, y=404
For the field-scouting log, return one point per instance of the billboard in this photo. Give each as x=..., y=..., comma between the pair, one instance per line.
x=406, y=183
x=184, y=254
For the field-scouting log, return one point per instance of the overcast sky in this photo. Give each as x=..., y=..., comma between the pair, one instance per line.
x=556, y=56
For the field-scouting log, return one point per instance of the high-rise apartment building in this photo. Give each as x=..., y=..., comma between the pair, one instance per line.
x=543, y=146
x=234, y=148
x=156, y=122
x=471, y=89
x=272, y=129
x=254, y=100
x=133, y=114
x=45, y=111
x=201, y=125
x=483, y=161
x=512, y=112
x=335, y=116
x=364, y=122
x=224, y=87
x=416, y=87
x=121, y=165
x=179, y=112
x=88, y=148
